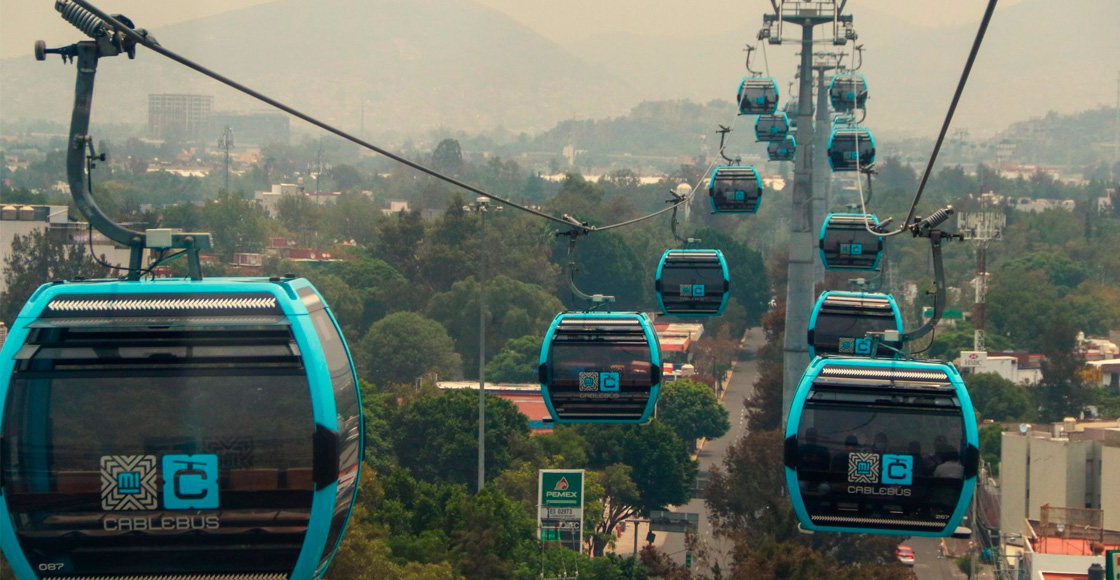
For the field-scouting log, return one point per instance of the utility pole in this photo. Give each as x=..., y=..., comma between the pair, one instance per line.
x=1116, y=137
x=822, y=175
x=800, y=287
x=980, y=228
x=226, y=142
x=482, y=207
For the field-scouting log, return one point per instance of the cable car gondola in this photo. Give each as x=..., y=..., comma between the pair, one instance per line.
x=180, y=428
x=881, y=446
x=692, y=283
x=771, y=127
x=600, y=367
x=757, y=96
x=846, y=243
x=735, y=189
x=841, y=320
x=851, y=149
x=848, y=92
x=784, y=150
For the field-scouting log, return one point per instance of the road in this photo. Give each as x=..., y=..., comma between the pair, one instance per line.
x=739, y=388
x=928, y=563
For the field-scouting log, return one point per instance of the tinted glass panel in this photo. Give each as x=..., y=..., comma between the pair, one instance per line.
x=838, y=333
x=159, y=473
x=573, y=362
x=901, y=465
x=850, y=247
x=349, y=424
x=690, y=288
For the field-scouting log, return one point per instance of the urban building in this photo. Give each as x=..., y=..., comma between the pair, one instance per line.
x=178, y=116
x=1059, y=547
x=270, y=200
x=1067, y=465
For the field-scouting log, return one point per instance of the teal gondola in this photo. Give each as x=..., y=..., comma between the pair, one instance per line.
x=735, y=189
x=784, y=150
x=768, y=128
x=692, y=283
x=848, y=91
x=846, y=242
x=210, y=428
x=757, y=96
x=882, y=447
x=851, y=149
x=841, y=321
x=600, y=367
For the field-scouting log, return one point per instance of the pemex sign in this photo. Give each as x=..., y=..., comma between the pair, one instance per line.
x=560, y=497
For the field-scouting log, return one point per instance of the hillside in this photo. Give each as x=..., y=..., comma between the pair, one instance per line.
x=1028, y=65
x=418, y=64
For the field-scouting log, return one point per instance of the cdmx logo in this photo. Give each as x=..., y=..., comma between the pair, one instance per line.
x=887, y=468
x=596, y=381
x=130, y=482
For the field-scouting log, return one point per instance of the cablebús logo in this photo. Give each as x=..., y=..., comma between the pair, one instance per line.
x=894, y=470
x=132, y=483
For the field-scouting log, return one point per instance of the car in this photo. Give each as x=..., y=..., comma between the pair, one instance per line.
x=905, y=554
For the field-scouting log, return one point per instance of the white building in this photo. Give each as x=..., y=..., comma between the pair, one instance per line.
x=1064, y=465
x=270, y=200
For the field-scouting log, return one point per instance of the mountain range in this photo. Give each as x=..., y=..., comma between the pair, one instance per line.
x=416, y=65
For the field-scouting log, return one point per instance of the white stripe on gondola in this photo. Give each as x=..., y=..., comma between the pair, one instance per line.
x=882, y=373
x=267, y=576
x=875, y=521
x=162, y=304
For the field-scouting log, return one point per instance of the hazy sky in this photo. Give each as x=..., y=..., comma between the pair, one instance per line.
x=24, y=21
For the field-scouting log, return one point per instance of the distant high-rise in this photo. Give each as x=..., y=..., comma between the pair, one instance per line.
x=178, y=115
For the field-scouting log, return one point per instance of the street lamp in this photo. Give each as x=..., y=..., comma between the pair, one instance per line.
x=482, y=206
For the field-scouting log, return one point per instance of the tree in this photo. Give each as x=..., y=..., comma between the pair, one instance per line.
x=692, y=411
x=764, y=407
x=436, y=436
x=1064, y=392
x=517, y=361
x=352, y=217
x=237, y=224
x=999, y=399
x=661, y=469
x=514, y=309
x=345, y=177
x=964, y=564
x=403, y=347
x=36, y=259
x=447, y=157
x=378, y=286
x=301, y=216
x=398, y=241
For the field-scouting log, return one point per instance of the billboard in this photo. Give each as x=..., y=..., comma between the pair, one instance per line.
x=973, y=358
x=560, y=507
